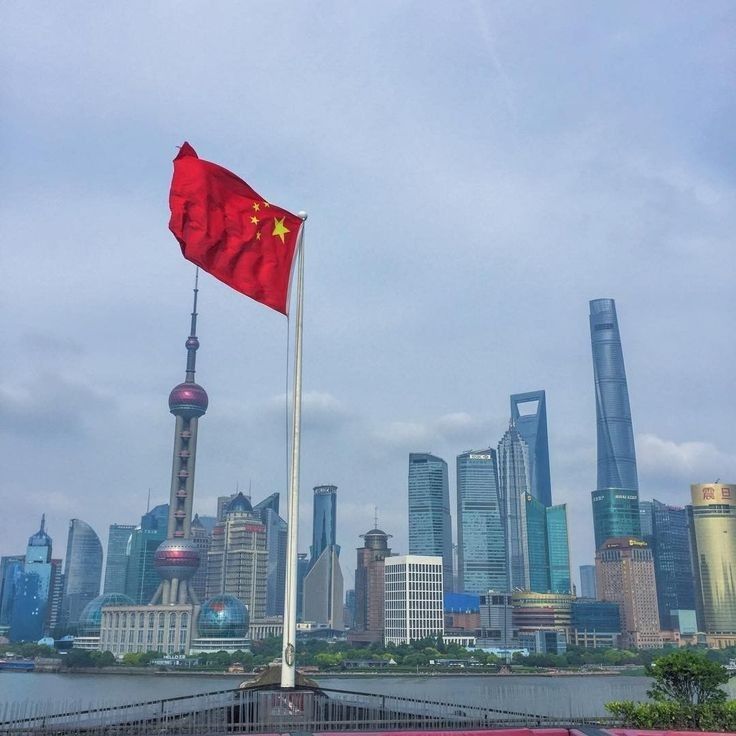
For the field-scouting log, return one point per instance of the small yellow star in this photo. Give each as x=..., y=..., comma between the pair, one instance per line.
x=258, y=236
x=266, y=204
x=279, y=228
x=254, y=220
x=256, y=206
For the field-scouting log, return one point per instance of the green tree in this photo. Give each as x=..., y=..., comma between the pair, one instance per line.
x=78, y=658
x=687, y=677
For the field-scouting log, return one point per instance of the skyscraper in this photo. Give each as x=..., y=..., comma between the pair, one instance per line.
x=513, y=476
x=202, y=538
x=713, y=539
x=369, y=587
x=237, y=561
x=177, y=559
x=82, y=570
x=29, y=619
x=11, y=569
x=276, y=540
x=673, y=568
x=558, y=549
x=117, y=557
x=624, y=569
x=324, y=520
x=481, y=543
x=529, y=415
x=616, y=499
x=323, y=582
x=141, y=578
x=430, y=527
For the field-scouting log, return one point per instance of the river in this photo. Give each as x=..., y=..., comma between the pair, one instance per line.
x=566, y=696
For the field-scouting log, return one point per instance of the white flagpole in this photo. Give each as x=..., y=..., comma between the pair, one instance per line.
x=288, y=644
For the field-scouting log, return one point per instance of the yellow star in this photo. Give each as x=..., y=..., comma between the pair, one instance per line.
x=279, y=228
x=258, y=236
x=256, y=206
x=254, y=220
x=266, y=204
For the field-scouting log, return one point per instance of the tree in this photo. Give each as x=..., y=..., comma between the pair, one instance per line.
x=687, y=677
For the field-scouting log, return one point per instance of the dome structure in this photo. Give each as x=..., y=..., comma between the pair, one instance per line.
x=91, y=616
x=223, y=617
x=376, y=539
x=239, y=504
x=176, y=558
x=188, y=400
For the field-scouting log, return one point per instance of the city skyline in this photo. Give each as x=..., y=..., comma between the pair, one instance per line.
x=596, y=168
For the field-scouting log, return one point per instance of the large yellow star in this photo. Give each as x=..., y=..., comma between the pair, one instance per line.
x=254, y=220
x=256, y=206
x=279, y=228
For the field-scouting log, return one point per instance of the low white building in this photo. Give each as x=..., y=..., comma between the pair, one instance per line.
x=413, y=598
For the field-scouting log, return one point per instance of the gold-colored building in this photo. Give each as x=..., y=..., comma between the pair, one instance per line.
x=713, y=539
x=624, y=571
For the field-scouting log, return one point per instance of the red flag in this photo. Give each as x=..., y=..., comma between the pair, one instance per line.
x=230, y=231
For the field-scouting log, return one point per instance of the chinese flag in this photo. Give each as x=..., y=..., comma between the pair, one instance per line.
x=230, y=231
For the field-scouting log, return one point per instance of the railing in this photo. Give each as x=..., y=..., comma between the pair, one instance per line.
x=265, y=711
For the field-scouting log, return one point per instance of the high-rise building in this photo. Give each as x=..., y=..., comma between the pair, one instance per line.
x=713, y=540
x=141, y=577
x=513, y=477
x=237, y=561
x=529, y=415
x=534, y=546
x=276, y=539
x=669, y=539
x=11, y=569
x=430, y=527
x=496, y=619
x=616, y=499
x=558, y=549
x=624, y=569
x=587, y=581
x=302, y=566
x=369, y=587
x=324, y=520
x=413, y=598
x=30, y=616
x=56, y=589
x=481, y=543
x=82, y=570
x=202, y=539
x=116, y=563
x=323, y=583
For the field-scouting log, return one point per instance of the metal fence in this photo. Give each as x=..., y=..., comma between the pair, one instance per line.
x=265, y=711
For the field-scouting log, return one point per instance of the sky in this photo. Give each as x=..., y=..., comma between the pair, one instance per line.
x=474, y=173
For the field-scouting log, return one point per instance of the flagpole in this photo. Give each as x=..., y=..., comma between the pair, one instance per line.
x=288, y=644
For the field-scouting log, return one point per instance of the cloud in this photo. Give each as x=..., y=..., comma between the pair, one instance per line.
x=673, y=466
x=458, y=427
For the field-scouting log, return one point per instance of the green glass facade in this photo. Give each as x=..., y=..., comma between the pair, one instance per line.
x=558, y=549
x=615, y=514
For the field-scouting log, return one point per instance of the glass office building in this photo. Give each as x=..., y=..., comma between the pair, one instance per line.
x=615, y=501
x=117, y=557
x=513, y=477
x=713, y=530
x=324, y=520
x=529, y=415
x=481, y=543
x=82, y=570
x=430, y=530
x=558, y=549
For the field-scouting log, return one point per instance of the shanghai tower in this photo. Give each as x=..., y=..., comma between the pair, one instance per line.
x=177, y=559
x=616, y=499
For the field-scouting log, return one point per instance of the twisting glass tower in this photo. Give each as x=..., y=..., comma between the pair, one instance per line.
x=177, y=559
x=616, y=499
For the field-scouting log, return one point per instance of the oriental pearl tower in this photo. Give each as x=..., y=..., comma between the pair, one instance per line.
x=177, y=559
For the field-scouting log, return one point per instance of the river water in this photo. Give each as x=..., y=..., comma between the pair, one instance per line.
x=566, y=696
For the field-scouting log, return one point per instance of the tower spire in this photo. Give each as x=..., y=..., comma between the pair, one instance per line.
x=192, y=343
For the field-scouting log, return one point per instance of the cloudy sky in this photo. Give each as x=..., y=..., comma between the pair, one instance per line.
x=474, y=173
